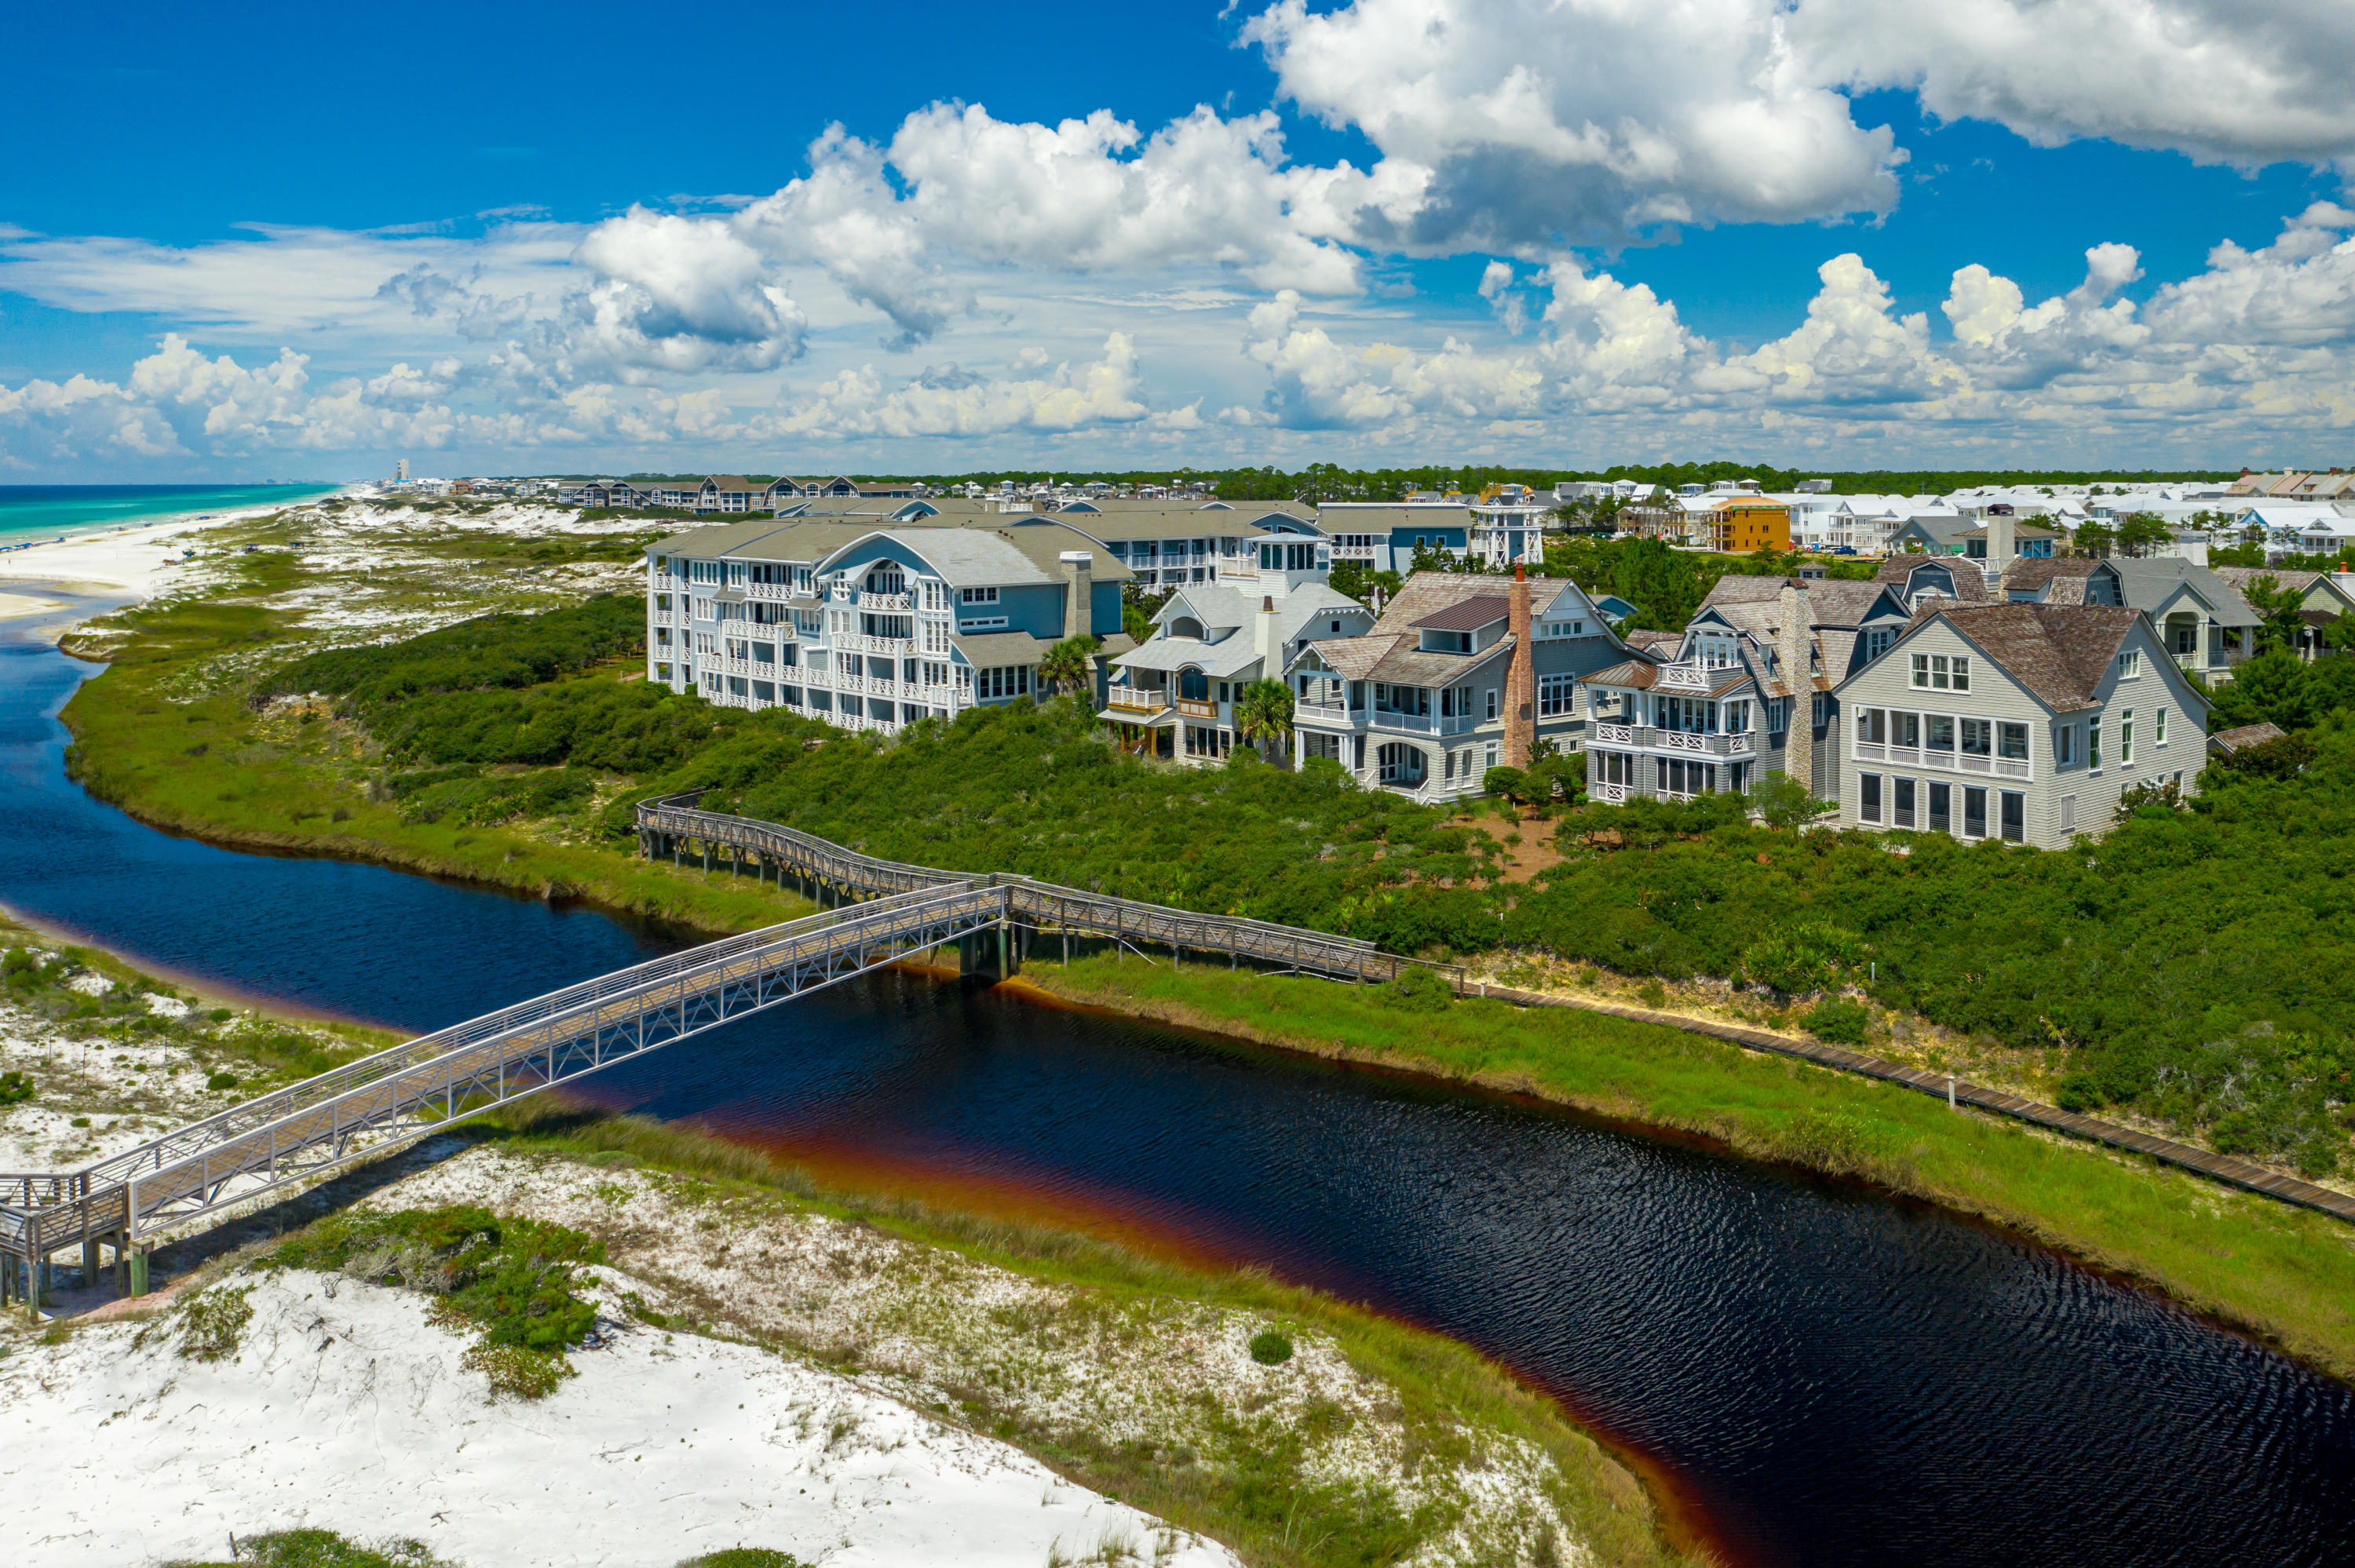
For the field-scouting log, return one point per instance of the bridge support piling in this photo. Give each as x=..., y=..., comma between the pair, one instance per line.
x=138, y=1272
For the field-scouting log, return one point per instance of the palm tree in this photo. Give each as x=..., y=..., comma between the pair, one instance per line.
x=1066, y=664
x=1263, y=714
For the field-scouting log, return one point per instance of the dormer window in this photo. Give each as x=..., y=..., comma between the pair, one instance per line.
x=1447, y=641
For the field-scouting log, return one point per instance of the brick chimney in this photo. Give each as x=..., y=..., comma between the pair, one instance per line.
x=1793, y=652
x=1521, y=679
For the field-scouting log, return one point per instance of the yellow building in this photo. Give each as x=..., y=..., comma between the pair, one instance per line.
x=1745, y=524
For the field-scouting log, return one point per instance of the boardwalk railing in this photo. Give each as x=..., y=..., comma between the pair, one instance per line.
x=670, y=824
x=298, y=1133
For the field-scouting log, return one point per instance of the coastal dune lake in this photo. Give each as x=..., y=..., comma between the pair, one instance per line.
x=1816, y=1374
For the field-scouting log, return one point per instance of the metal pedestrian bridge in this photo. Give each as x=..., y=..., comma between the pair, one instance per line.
x=885, y=913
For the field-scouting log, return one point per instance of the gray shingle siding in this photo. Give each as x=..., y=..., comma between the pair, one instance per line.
x=2058, y=801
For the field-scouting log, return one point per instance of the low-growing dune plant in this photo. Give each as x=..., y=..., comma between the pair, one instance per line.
x=510, y=1280
x=319, y=1548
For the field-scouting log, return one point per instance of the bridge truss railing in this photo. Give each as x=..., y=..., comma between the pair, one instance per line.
x=298, y=1133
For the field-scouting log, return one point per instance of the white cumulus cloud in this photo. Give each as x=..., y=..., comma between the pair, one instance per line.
x=952, y=404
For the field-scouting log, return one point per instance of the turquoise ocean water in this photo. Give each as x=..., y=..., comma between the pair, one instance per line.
x=31, y=511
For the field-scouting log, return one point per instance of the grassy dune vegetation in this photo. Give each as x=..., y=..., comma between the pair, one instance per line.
x=2287, y=1274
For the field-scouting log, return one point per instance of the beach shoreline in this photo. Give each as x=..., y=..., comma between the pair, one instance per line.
x=135, y=558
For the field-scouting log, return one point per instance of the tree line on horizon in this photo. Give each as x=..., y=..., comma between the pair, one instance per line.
x=1329, y=481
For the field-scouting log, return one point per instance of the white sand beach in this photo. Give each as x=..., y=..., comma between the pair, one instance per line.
x=344, y=1407
x=136, y=560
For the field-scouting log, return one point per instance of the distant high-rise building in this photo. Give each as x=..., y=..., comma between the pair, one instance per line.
x=400, y=472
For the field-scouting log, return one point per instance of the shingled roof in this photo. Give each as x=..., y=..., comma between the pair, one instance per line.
x=2031, y=572
x=2231, y=742
x=1970, y=582
x=1468, y=614
x=2058, y=652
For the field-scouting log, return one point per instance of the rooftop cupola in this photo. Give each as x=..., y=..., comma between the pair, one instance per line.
x=1287, y=561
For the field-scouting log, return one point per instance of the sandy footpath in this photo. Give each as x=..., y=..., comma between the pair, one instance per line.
x=344, y=1408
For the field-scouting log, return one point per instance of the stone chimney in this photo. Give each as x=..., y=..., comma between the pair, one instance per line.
x=2000, y=543
x=1793, y=646
x=1079, y=572
x=1521, y=679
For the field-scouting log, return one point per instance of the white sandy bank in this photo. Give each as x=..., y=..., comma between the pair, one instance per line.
x=136, y=560
x=344, y=1409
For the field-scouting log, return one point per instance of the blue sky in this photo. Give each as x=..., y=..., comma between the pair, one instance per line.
x=510, y=239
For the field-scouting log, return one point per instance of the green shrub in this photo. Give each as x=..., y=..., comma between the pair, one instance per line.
x=1838, y=1020
x=211, y=1323
x=1420, y=988
x=510, y=1279
x=1270, y=1348
x=322, y=1549
x=14, y=1087
x=218, y=1081
x=488, y=651
x=743, y=1557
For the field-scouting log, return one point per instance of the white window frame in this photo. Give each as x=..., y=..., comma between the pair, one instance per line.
x=1940, y=673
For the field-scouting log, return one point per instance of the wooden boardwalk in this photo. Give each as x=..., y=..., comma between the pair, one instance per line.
x=2221, y=1167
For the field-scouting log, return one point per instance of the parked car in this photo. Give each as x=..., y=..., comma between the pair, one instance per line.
x=1845, y=550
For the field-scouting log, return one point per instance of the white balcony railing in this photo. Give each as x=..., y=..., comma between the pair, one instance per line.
x=1944, y=761
x=1648, y=738
x=1609, y=794
x=1688, y=677
x=1423, y=723
x=1136, y=700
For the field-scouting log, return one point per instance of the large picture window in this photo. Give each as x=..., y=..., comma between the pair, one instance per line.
x=1868, y=797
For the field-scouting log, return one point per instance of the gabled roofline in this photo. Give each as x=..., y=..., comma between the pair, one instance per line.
x=1975, y=646
x=2170, y=670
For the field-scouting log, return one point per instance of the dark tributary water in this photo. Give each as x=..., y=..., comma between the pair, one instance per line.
x=1822, y=1376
